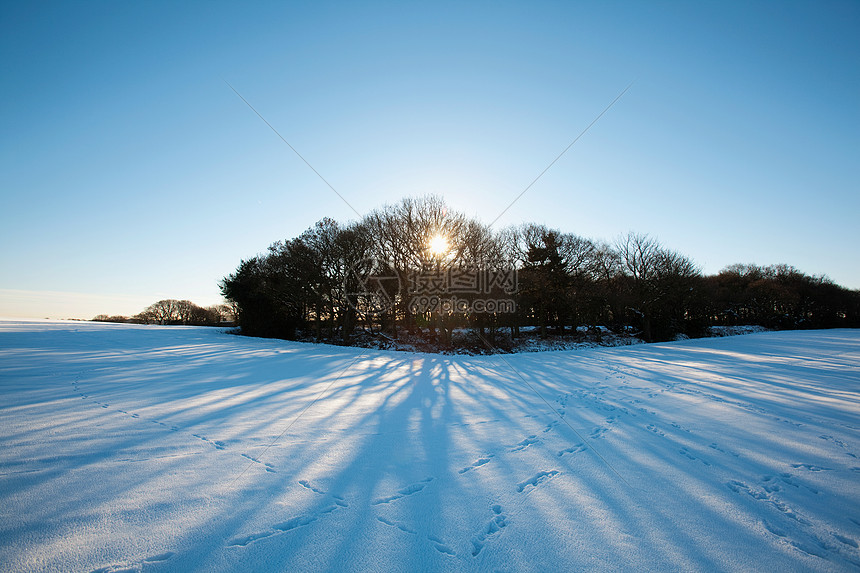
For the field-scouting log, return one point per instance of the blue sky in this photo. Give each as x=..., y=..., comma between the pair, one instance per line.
x=130, y=172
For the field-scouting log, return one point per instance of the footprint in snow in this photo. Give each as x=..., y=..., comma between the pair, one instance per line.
x=574, y=449
x=435, y=541
x=653, y=428
x=686, y=453
x=679, y=427
x=839, y=443
x=400, y=526
x=810, y=467
x=492, y=528
x=536, y=480
x=715, y=446
x=218, y=445
x=533, y=439
x=307, y=485
x=788, y=479
x=598, y=433
x=477, y=463
x=440, y=546
x=410, y=489
x=766, y=495
x=550, y=426
x=160, y=557
x=846, y=540
x=288, y=525
x=269, y=467
x=134, y=567
x=776, y=530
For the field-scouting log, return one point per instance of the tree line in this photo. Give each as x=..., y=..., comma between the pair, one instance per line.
x=177, y=312
x=336, y=279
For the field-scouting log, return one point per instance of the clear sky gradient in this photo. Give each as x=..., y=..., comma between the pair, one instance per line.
x=130, y=172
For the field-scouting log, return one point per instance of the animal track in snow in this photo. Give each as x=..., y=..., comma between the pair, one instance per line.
x=440, y=545
x=399, y=526
x=653, y=428
x=243, y=540
x=269, y=467
x=598, y=432
x=477, y=463
x=811, y=467
x=435, y=541
x=302, y=520
x=536, y=480
x=574, y=449
x=134, y=567
x=307, y=485
x=818, y=549
x=494, y=526
x=846, y=540
x=562, y=402
x=788, y=479
x=678, y=427
x=467, y=424
x=533, y=439
x=410, y=489
x=288, y=525
x=550, y=426
x=214, y=443
x=105, y=405
x=686, y=453
x=715, y=446
x=813, y=547
x=776, y=530
x=158, y=558
x=765, y=496
x=838, y=442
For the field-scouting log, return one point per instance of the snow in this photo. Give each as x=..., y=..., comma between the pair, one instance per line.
x=140, y=448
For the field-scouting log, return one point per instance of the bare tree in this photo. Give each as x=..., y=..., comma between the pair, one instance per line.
x=658, y=283
x=162, y=312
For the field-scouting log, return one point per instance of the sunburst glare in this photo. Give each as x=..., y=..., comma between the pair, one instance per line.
x=438, y=245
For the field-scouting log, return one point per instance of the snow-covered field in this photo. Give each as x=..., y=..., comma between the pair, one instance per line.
x=187, y=449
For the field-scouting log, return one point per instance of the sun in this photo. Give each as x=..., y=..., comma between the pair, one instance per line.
x=438, y=245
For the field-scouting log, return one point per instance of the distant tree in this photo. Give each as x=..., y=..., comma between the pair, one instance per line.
x=162, y=312
x=106, y=318
x=401, y=236
x=482, y=253
x=221, y=313
x=779, y=296
x=582, y=266
x=185, y=311
x=269, y=299
x=335, y=278
x=657, y=285
x=607, y=299
x=543, y=276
